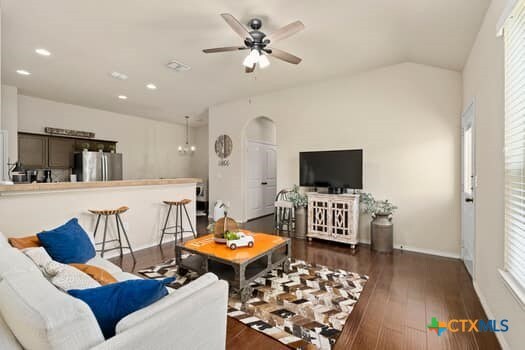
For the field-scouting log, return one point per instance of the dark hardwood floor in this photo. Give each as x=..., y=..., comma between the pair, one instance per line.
x=404, y=292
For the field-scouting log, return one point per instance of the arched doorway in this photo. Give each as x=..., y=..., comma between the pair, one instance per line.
x=260, y=167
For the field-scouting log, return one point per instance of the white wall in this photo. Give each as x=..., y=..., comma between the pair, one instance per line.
x=199, y=166
x=9, y=119
x=405, y=117
x=483, y=81
x=149, y=147
x=261, y=129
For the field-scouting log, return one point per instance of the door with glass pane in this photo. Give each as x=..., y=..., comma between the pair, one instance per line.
x=468, y=185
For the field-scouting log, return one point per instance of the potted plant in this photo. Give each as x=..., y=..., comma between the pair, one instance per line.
x=300, y=202
x=381, y=227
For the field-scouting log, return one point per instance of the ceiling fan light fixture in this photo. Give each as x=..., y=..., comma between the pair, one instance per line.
x=264, y=62
x=252, y=58
x=259, y=43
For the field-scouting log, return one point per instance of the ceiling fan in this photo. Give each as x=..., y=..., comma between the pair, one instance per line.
x=258, y=42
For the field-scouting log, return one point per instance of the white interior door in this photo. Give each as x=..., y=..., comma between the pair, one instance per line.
x=270, y=179
x=468, y=186
x=261, y=179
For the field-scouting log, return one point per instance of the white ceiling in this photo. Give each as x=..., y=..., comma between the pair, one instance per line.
x=90, y=39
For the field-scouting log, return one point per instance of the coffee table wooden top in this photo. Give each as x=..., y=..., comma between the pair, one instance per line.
x=205, y=245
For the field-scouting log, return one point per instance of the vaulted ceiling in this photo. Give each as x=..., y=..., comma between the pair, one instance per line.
x=90, y=39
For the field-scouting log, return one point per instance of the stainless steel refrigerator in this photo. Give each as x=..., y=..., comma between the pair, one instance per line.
x=98, y=166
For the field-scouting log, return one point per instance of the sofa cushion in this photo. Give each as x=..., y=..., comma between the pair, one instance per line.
x=104, y=264
x=126, y=276
x=97, y=273
x=115, y=301
x=12, y=261
x=7, y=339
x=140, y=316
x=24, y=242
x=42, y=317
x=68, y=243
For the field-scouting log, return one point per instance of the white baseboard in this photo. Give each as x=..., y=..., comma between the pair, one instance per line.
x=502, y=342
x=421, y=250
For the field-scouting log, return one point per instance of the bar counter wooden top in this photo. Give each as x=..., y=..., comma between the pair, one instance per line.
x=61, y=186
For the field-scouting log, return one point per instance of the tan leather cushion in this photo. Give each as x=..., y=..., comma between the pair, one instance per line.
x=25, y=242
x=100, y=275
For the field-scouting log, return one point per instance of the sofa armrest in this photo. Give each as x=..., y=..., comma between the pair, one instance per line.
x=174, y=298
x=196, y=321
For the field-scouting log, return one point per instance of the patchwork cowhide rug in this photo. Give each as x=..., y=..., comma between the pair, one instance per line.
x=305, y=308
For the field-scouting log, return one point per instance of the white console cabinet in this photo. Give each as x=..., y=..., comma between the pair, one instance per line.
x=333, y=217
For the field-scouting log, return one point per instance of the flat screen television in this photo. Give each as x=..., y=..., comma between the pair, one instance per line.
x=336, y=170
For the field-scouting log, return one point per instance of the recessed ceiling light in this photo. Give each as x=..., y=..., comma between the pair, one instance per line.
x=151, y=86
x=119, y=76
x=43, y=52
x=23, y=72
x=123, y=97
x=177, y=66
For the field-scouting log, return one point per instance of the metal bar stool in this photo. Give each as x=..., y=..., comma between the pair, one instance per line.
x=179, y=229
x=284, y=213
x=120, y=226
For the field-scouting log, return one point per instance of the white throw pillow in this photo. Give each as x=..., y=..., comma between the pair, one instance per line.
x=67, y=277
x=38, y=255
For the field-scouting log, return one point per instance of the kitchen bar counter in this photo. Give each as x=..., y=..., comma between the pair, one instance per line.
x=56, y=186
x=26, y=209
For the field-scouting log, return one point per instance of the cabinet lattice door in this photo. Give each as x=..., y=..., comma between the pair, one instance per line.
x=333, y=217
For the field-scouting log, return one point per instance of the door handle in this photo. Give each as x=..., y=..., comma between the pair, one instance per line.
x=469, y=200
x=264, y=183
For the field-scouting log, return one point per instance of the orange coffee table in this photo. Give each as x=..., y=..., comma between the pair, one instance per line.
x=239, y=267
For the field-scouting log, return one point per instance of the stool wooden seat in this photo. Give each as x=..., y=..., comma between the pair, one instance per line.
x=183, y=201
x=120, y=227
x=109, y=211
x=179, y=229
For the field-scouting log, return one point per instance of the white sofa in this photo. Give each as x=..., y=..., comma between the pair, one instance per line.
x=35, y=315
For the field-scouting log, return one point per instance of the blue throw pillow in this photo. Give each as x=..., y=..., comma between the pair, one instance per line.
x=113, y=302
x=68, y=244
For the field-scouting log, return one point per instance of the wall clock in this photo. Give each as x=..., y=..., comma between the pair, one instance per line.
x=223, y=149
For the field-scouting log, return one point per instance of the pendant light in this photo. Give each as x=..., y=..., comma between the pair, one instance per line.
x=187, y=148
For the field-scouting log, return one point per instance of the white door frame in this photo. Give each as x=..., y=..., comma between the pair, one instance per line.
x=246, y=173
x=468, y=119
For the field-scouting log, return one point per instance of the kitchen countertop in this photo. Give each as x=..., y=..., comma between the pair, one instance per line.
x=56, y=186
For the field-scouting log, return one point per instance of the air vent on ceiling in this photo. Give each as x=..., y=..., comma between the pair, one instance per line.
x=177, y=66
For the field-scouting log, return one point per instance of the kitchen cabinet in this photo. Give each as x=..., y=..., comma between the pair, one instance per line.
x=37, y=151
x=32, y=151
x=60, y=153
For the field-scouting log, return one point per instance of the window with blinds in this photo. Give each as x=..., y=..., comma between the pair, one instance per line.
x=514, y=36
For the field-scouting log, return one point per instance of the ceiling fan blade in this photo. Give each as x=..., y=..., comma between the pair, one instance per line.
x=224, y=49
x=285, y=56
x=236, y=26
x=286, y=31
x=249, y=70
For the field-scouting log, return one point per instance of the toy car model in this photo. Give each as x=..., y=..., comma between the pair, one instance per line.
x=242, y=240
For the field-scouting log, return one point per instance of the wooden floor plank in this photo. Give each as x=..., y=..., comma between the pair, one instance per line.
x=390, y=339
x=404, y=291
x=414, y=339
